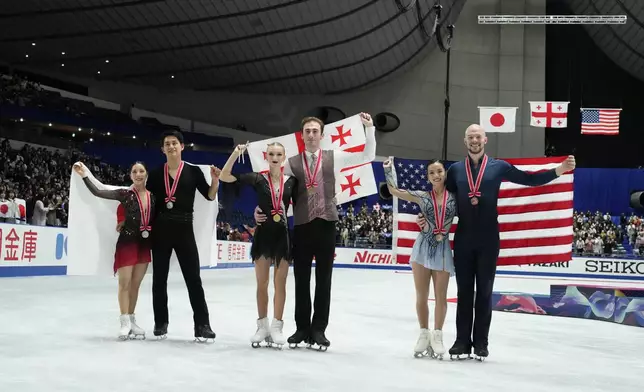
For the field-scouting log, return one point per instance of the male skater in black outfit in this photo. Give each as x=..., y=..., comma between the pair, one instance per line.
x=475, y=181
x=174, y=186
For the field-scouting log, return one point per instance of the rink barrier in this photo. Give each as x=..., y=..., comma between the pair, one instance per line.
x=42, y=251
x=618, y=305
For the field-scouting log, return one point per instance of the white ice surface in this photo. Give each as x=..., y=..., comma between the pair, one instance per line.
x=59, y=334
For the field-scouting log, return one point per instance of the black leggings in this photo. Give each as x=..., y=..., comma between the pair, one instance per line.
x=180, y=237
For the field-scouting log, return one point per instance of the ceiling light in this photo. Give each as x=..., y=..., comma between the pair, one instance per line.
x=62, y=65
x=192, y=144
x=21, y=120
x=50, y=124
x=63, y=53
x=107, y=61
x=80, y=129
x=73, y=135
x=26, y=55
x=108, y=134
x=91, y=140
x=172, y=76
x=99, y=72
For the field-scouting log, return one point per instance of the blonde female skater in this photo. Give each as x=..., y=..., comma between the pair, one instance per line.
x=431, y=257
x=272, y=243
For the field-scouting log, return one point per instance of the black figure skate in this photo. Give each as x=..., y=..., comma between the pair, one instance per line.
x=460, y=351
x=203, y=333
x=318, y=338
x=480, y=353
x=161, y=331
x=298, y=337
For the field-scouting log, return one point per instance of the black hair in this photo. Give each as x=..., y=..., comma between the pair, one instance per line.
x=432, y=161
x=138, y=163
x=171, y=133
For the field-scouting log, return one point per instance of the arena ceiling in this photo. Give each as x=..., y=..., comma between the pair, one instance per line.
x=624, y=44
x=258, y=46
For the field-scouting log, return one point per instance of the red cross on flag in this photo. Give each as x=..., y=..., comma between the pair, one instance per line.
x=497, y=119
x=549, y=114
x=347, y=135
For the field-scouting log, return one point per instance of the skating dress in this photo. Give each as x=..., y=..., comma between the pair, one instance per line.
x=131, y=247
x=428, y=251
x=272, y=240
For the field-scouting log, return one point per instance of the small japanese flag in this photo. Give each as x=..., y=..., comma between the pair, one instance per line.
x=498, y=119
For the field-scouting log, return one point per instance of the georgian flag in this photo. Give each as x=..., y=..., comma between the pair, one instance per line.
x=549, y=114
x=347, y=135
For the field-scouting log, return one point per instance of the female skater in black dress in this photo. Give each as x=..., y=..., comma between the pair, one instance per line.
x=272, y=244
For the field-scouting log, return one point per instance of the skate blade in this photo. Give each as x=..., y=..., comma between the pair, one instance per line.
x=316, y=347
x=479, y=358
x=161, y=337
x=462, y=357
x=136, y=337
x=203, y=340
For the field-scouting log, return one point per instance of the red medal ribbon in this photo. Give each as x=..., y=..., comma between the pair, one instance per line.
x=275, y=199
x=166, y=178
x=474, y=188
x=145, y=213
x=310, y=179
x=440, y=220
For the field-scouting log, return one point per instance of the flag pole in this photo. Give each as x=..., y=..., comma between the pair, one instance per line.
x=447, y=101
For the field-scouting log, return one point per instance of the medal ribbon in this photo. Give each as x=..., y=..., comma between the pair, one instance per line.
x=310, y=179
x=166, y=178
x=440, y=220
x=474, y=189
x=145, y=213
x=275, y=199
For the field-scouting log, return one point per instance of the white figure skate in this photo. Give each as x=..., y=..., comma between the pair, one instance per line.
x=277, y=337
x=263, y=333
x=136, y=332
x=124, y=332
x=423, y=343
x=436, y=344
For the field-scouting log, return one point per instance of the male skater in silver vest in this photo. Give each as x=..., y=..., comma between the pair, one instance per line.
x=315, y=215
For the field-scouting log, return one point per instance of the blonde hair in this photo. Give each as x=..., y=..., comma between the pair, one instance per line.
x=276, y=144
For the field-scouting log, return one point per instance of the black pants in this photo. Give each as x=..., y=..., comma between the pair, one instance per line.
x=180, y=237
x=475, y=262
x=314, y=239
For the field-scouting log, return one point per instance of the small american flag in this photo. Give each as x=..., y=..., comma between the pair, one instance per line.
x=600, y=121
x=535, y=223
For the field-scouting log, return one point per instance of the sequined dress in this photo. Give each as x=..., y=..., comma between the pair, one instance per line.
x=427, y=251
x=271, y=240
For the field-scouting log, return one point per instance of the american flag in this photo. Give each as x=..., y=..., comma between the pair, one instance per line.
x=600, y=121
x=535, y=223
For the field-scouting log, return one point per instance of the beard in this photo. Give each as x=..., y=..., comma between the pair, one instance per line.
x=475, y=149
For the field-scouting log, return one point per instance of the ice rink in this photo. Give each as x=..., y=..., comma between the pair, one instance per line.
x=59, y=334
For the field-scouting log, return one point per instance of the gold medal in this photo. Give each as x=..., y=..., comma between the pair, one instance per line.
x=277, y=218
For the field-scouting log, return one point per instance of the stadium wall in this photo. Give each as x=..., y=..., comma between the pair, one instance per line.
x=42, y=251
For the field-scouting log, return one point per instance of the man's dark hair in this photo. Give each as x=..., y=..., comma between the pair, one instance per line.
x=171, y=133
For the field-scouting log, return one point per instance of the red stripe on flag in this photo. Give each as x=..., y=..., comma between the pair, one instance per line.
x=522, y=192
x=534, y=259
x=299, y=139
x=537, y=207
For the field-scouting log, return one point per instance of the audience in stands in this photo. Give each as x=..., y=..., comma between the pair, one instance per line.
x=365, y=229
x=597, y=234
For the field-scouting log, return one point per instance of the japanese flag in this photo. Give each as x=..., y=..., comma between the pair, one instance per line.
x=497, y=119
